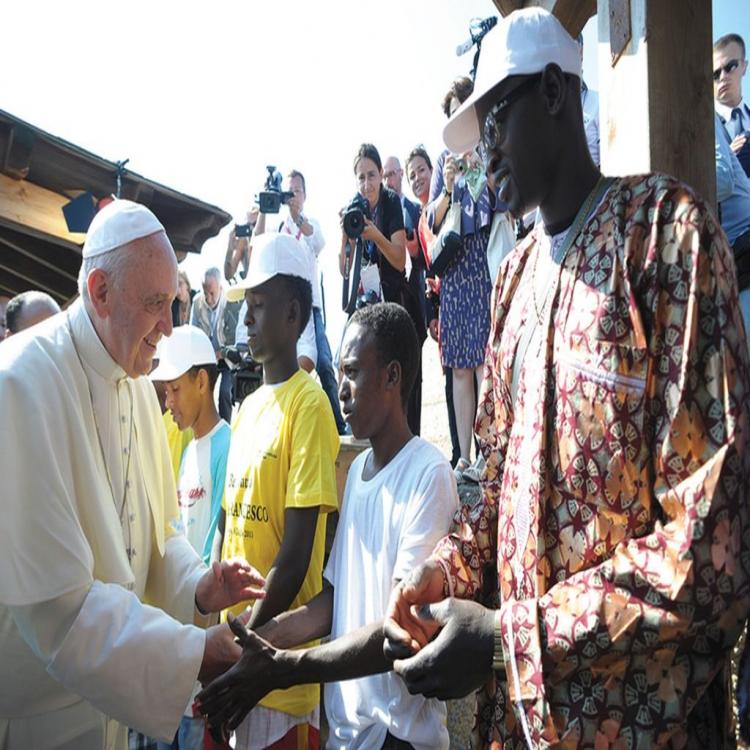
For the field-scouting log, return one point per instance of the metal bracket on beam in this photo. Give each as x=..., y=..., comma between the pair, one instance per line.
x=620, y=30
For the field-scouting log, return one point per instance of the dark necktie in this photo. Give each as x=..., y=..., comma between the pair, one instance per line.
x=737, y=124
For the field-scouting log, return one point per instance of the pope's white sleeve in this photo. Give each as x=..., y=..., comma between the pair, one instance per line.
x=172, y=580
x=131, y=661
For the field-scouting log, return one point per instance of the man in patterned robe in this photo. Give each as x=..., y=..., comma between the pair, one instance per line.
x=614, y=422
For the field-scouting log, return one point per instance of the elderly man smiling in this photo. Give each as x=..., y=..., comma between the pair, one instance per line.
x=89, y=504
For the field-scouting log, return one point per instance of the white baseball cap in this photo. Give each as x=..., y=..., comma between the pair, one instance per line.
x=187, y=347
x=523, y=43
x=118, y=223
x=273, y=254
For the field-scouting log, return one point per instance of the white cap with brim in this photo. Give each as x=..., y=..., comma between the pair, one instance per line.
x=523, y=43
x=273, y=254
x=118, y=223
x=187, y=347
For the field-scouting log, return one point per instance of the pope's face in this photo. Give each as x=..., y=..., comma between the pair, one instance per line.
x=138, y=308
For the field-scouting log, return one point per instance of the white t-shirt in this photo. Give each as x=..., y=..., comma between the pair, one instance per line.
x=388, y=525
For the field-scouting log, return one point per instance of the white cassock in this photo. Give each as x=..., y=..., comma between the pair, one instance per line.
x=90, y=564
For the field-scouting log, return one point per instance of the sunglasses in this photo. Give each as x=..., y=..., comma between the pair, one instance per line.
x=730, y=67
x=492, y=130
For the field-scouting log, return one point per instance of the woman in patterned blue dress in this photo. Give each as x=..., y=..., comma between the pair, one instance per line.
x=466, y=286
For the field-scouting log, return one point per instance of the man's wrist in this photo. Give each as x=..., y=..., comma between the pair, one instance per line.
x=286, y=664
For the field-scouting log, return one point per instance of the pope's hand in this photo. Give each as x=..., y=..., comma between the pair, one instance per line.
x=405, y=631
x=227, y=583
x=459, y=660
x=220, y=653
x=227, y=700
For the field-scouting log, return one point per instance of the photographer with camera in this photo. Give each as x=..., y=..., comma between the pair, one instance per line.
x=373, y=229
x=313, y=349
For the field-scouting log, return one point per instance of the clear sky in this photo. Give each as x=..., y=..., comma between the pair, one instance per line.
x=201, y=96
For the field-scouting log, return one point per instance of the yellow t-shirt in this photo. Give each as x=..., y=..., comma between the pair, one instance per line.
x=176, y=440
x=282, y=455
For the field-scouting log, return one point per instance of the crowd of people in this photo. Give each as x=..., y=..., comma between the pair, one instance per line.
x=164, y=576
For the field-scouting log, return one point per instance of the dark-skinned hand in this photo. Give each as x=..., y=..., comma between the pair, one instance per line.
x=459, y=660
x=228, y=699
x=404, y=630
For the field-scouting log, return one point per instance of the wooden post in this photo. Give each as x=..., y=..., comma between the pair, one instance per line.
x=656, y=101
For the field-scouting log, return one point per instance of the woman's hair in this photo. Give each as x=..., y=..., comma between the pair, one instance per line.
x=368, y=151
x=182, y=276
x=419, y=151
x=461, y=89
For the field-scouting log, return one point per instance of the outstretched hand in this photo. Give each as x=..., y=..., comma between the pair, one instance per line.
x=228, y=699
x=227, y=583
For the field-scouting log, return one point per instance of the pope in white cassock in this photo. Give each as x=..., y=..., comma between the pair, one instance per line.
x=94, y=582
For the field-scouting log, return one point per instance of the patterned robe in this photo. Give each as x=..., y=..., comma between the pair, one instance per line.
x=615, y=501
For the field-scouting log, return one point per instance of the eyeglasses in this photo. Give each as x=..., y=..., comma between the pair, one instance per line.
x=492, y=130
x=730, y=67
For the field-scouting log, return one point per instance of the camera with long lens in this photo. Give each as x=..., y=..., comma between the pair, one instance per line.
x=272, y=197
x=354, y=217
x=247, y=376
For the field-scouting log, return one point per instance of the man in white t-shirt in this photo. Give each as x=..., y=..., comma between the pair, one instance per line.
x=400, y=497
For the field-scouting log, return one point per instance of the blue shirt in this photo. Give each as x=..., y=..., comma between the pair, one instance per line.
x=475, y=216
x=732, y=186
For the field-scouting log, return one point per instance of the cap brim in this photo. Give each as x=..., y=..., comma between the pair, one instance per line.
x=167, y=371
x=236, y=293
x=462, y=132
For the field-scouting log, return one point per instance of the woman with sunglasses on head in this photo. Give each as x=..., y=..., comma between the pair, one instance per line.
x=466, y=286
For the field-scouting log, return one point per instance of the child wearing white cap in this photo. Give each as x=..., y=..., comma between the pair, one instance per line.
x=187, y=365
x=281, y=477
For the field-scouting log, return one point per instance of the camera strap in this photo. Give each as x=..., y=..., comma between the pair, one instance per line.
x=351, y=288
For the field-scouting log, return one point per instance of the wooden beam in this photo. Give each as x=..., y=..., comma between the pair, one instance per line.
x=572, y=14
x=28, y=204
x=656, y=102
x=43, y=277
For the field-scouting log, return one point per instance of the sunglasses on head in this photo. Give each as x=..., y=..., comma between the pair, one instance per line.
x=730, y=67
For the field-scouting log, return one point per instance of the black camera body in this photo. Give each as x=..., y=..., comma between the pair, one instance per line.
x=272, y=197
x=247, y=376
x=242, y=230
x=354, y=216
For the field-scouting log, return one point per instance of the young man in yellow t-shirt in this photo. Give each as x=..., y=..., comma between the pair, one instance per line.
x=281, y=477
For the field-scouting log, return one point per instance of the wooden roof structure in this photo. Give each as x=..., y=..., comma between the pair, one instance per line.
x=39, y=174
